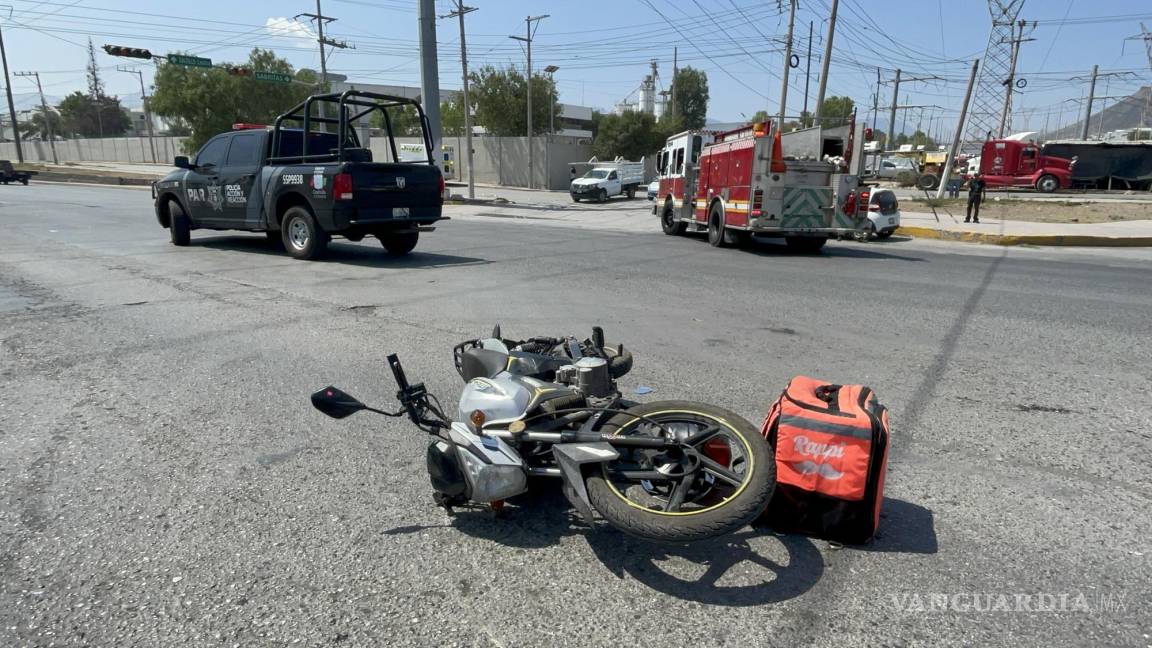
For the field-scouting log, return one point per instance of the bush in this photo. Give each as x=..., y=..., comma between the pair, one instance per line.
x=906, y=179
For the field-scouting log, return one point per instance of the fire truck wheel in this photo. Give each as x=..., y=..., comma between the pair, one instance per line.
x=668, y=222
x=805, y=244
x=1047, y=184
x=716, y=234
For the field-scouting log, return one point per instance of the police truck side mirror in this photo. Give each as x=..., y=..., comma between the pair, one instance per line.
x=181, y=162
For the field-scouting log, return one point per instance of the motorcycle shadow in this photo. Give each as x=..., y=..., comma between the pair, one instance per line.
x=750, y=567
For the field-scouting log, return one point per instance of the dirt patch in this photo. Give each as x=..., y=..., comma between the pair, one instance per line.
x=1037, y=211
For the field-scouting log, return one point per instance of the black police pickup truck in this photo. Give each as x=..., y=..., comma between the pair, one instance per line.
x=306, y=184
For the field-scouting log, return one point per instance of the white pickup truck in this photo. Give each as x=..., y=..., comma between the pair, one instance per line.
x=606, y=179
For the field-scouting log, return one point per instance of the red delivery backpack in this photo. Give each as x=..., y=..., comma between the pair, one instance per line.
x=831, y=444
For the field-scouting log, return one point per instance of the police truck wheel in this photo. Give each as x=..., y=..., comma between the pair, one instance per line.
x=669, y=222
x=179, y=227
x=1047, y=184
x=302, y=238
x=399, y=244
x=716, y=236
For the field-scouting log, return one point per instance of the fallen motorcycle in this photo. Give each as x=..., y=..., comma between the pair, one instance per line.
x=671, y=471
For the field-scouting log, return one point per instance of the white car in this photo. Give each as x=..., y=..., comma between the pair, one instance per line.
x=883, y=213
x=653, y=189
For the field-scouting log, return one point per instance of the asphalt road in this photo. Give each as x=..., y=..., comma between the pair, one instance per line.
x=165, y=482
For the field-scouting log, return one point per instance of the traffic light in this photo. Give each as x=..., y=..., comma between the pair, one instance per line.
x=239, y=71
x=128, y=52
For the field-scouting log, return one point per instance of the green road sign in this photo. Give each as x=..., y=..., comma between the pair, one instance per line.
x=190, y=61
x=273, y=76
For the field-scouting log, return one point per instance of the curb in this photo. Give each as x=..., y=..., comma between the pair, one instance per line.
x=66, y=178
x=1052, y=240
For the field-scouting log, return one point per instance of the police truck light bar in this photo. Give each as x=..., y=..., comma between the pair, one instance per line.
x=128, y=52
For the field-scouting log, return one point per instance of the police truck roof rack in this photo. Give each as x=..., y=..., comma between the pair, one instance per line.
x=308, y=113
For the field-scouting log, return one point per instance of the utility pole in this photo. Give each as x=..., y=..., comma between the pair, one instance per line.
x=11, y=104
x=551, y=71
x=808, y=68
x=1091, y=95
x=147, y=113
x=955, y=150
x=430, y=79
x=876, y=100
x=527, y=38
x=1010, y=82
x=825, y=63
x=672, y=90
x=787, y=64
x=461, y=10
x=322, y=20
x=891, y=137
x=44, y=107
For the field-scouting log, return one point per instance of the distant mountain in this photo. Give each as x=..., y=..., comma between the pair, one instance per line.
x=1129, y=112
x=31, y=100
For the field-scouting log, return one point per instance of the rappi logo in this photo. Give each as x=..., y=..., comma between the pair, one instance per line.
x=820, y=452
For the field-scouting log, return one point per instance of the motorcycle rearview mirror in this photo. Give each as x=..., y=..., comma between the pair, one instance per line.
x=335, y=403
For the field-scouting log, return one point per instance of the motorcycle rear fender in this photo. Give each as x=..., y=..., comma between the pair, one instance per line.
x=572, y=457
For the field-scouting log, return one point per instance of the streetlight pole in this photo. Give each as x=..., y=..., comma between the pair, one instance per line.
x=527, y=38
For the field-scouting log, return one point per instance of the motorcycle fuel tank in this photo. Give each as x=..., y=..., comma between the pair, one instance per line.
x=500, y=398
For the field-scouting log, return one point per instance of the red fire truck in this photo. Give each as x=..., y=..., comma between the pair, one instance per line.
x=737, y=184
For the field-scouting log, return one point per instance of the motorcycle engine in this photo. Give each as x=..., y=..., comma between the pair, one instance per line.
x=589, y=375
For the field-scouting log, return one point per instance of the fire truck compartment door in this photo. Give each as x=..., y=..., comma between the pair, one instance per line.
x=805, y=207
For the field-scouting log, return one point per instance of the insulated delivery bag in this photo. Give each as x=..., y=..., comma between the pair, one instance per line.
x=831, y=444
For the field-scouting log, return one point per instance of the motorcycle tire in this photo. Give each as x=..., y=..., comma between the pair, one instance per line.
x=713, y=514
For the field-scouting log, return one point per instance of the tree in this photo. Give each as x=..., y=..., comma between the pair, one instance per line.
x=837, y=111
x=805, y=121
x=598, y=117
x=83, y=115
x=691, y=104
x=499, y=97
x=209, y=100
x=35, y=127
x=631, y=135
x=95, y=85
x=452, y=117
x=760, y=116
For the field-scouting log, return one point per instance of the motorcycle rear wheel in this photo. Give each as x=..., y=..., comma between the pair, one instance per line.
x=730, y=489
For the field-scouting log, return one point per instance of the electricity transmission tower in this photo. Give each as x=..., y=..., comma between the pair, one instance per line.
x=991, y=90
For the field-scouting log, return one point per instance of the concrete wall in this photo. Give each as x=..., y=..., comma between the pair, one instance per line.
x=499, y=160
x=108, y=149
x=504, y=160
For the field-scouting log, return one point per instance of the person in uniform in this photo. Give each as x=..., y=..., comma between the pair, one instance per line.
x=976, y=188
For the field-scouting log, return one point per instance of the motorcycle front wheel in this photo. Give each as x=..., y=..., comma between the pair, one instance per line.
x=717, y=481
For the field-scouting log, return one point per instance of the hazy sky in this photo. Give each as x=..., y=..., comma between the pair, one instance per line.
x=603, y=47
